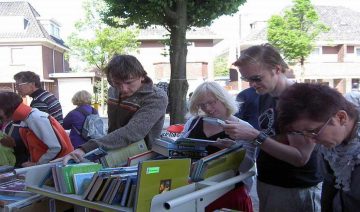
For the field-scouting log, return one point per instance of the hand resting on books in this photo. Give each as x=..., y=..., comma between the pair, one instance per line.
x=77, y=155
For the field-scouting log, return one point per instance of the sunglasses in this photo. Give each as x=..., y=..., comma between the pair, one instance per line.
x=255, y=78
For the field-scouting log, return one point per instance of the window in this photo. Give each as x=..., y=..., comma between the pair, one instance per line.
x=357, y=52
x=55, y=31
x=316, y=51
x=17, y=56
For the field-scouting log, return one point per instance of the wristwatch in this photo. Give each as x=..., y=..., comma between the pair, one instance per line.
x=260, y=139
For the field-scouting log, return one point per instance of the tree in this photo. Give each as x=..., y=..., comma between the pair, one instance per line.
x=176, y=16
x=294, y=34
x=221, y=67
x=94, y=42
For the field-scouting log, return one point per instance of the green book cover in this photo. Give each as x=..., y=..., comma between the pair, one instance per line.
x=159, y=176
x=230, y=161
x=119, y=157
x=68, y=172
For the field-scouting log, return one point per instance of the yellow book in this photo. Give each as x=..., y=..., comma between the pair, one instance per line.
x=159, y=176
x=224, y=163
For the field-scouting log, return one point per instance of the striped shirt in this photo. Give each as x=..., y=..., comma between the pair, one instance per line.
x=48, y=103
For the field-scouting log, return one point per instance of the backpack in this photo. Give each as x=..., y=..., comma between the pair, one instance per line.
x=37, y=147
x=93, y=126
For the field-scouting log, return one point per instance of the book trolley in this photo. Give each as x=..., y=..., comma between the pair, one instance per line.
x=190, y=197
x=193, y=197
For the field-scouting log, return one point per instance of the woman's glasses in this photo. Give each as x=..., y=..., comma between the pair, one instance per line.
x=208, y=103
x=311, y=133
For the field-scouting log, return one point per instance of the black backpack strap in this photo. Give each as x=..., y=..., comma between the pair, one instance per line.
x=94, y=111
x=84, y=112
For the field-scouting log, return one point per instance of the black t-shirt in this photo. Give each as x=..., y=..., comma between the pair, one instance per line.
x=277, y=172
x=198, y=132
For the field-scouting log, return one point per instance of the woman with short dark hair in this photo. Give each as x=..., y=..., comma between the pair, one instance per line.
x=320, y=114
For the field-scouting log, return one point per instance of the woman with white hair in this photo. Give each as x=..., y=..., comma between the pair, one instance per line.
x=210, y=100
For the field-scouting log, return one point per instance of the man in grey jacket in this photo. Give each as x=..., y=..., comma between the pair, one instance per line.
x=136, y=108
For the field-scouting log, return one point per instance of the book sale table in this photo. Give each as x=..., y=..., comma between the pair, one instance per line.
x=161, y=185
x=76, y=199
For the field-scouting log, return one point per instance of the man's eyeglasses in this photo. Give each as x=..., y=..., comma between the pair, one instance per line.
x=311, y=133
x=209, y=103
x=255, y=78
x=20, y=84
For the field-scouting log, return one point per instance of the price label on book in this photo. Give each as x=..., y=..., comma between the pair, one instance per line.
x=152, y=170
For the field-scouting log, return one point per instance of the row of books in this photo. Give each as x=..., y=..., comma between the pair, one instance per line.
x=180, y=148
x=113, y=186
x=66, y=177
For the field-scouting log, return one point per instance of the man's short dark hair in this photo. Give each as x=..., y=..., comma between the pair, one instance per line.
x=28, y=76
x=9, y=101
x=315, y=102
x=124, y=67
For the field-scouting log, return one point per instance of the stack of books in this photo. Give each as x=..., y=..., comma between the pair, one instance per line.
x=181, y=148
x=113, y=186
x=221, y=161
x=63, y=175
x=12, y=189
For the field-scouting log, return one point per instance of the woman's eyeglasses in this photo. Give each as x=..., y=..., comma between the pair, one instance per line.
x=208, y=103
x=311, y=133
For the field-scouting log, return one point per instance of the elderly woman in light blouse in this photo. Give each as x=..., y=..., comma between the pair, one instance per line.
x=211, y=100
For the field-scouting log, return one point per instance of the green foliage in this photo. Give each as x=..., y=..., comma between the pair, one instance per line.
x=145, y=13
x=221, y=67
x=100, y=86
x=94, y=42
x=294, y=33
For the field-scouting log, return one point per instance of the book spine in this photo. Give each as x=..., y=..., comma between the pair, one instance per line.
x=90, y=186
x=187, y=153
x=126, y=192
x=169, y=145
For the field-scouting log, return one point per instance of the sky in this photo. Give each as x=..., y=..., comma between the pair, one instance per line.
x=67, y=12
x=263, y=9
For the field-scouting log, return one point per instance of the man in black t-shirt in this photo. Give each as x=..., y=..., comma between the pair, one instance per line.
x=287, y=168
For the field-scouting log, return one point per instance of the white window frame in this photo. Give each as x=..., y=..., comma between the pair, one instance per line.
x=319, y=51
x=17, y=56
x=356, y=51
